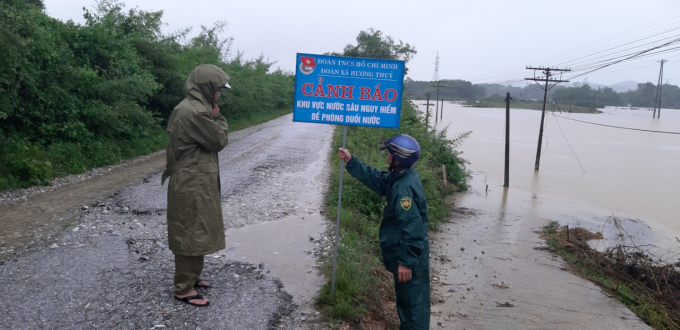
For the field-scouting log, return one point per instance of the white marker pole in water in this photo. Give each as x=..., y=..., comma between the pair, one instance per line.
x=337, y=225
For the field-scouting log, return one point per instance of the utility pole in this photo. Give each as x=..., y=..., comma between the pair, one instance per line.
x=548, y=72
x=427, y=111
x=436, y=83
x=441, y=112
x=659, y=87
x=506, y=181
x=526, y=91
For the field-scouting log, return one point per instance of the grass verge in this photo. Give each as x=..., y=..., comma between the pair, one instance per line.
x=362, y=285
x=646, y=284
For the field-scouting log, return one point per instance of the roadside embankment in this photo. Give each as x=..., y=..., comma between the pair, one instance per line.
x=646, y=283
x=364, y=290
x=491, y=270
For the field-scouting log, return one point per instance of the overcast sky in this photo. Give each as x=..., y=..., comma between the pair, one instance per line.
x=476, y=39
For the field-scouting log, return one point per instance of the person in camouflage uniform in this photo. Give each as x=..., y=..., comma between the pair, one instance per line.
x=404, y=239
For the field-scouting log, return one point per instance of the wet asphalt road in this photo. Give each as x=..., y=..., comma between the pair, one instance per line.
x=110, y=268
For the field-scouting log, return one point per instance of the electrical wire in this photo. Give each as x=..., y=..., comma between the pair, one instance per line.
x=569, y=143
x=637, y=31
x=515, y=75
x=619, y=127
x=628, y=57
x=591, y=66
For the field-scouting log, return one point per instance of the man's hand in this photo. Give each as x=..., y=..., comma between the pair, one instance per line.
x=344, y=155
x=215, y=110
x=404, y=274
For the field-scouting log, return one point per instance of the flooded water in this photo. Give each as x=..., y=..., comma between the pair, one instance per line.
x=599, y=170
x=491, y=239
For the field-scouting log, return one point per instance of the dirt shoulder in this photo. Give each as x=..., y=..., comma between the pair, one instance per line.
x=107, y=266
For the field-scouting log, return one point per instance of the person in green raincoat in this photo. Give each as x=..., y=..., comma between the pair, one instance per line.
x=197, y=133
x=403, y=234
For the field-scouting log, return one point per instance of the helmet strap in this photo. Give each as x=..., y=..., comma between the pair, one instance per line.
x=395, y=167
x=392, y=165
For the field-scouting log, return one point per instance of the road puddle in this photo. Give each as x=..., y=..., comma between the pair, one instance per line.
x=284, y=248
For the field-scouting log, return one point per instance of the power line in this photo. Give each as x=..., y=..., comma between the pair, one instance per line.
x=569, y=143
x=599, y=65
x=649, y=52
x=626, y=44
x=619, y=127
x=608, y=40
x=628, y=57
x=612, y=38
x=589, y=63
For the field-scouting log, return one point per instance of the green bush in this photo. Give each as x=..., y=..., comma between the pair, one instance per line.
x=73, y=96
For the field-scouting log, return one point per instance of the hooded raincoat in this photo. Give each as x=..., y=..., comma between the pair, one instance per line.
x=195, y=223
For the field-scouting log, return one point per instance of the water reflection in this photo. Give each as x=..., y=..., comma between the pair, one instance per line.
x=630, y=174
x=504, y=205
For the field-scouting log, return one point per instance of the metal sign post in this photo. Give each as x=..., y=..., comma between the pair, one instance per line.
x=348, y=91
x=337, y=224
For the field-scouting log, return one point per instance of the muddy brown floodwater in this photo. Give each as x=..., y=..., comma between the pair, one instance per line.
x=627, y=173
x=485, y=257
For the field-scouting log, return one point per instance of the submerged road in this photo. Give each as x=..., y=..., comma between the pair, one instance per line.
x=106, y=264
x=491, y=270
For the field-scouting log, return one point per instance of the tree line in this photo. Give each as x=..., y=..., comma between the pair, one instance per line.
x=77, y=96
x=583, y=95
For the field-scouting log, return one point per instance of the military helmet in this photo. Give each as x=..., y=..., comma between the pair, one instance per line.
x=404, y=148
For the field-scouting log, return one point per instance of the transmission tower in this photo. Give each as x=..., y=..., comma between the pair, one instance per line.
x=435, y=76
x=436, y=83
x=548, y=72
x=659, y=86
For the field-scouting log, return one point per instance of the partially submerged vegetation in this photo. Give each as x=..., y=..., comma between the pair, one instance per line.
x=498, y=102
x=649, y=285
x=576, y=94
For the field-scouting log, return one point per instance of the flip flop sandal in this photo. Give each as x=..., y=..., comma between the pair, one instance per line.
x=189, y=298
x=198, y=280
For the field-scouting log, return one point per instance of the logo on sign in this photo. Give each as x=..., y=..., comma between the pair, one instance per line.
x=307, y=64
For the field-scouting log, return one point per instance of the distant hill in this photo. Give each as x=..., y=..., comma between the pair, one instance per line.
x=624, y=86
x=621, y=87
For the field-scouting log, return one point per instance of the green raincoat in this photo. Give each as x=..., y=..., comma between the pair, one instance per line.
x=195, y=223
